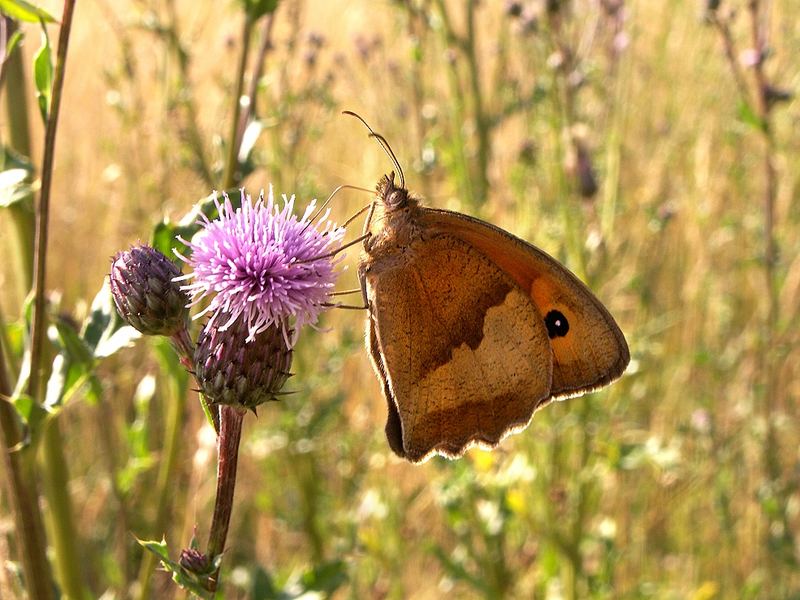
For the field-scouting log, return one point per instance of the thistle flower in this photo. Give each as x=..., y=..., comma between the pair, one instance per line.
x=263, y=266
x=145, y=293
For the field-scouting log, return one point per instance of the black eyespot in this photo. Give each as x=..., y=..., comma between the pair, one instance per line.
x=556, y=323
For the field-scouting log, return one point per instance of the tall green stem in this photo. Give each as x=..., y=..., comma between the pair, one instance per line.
x=258, y=68
x=16, y=104
x=232, y=162
x=165, y=485
x=459, y=143
x=54, y=466
x=764, y=108
x=43, y=208
x=55, y=477
x=194, y=136
x=481, y=121
x=23, y=499
x=770, y=404
x=21, y=213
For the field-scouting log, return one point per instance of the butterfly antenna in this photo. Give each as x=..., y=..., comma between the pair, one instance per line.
x=384, y=144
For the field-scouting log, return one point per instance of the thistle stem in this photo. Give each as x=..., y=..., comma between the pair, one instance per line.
x=230, y=433
x=182, y=342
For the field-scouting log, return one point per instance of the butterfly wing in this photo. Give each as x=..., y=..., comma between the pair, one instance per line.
x=589, y=350
x=461, y=350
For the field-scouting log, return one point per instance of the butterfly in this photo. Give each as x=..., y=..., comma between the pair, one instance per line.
x=471, y=329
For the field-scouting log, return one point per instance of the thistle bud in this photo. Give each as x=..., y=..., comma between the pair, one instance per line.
x=775, y=95
x=195, y=562
x=513, y=8
x=578, y=162
x=584, y=172
x=146, y=296
x=233, y=371
x=554, y=6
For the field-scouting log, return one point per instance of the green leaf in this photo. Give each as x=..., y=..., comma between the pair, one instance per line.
x=72, y=344
x=43, y=75
x=170, y=363
x=57, y=382
x=101, y=317
x=25, y=11
x=11, y=159
x=208, y=412
x=24, y=374
x=163, y=240
x=32, y=416
x=250, y=136
x=326, y=577
x=104, y=332
x=141, y=458
x=72, y=367
x=164, y=234
x=258, y=8
x=456, y=570
x=263, y=587
x=124, y=337
x=748, y=116
x=13, y=42
x=158, y=548
x=12, y=177
x=14, y=187
x=14, y=334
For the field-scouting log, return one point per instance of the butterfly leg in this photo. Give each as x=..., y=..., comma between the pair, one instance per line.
x=363, y=306
x=362, y=280
x=368, y=220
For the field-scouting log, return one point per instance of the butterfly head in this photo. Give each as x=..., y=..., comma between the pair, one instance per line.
x=392, y=196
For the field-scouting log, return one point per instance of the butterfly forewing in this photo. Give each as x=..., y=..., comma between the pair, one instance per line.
x=589, y=350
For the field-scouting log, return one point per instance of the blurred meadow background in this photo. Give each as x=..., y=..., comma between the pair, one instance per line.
x=651, y=146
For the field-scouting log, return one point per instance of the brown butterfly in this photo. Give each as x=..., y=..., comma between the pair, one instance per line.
x=471, y=329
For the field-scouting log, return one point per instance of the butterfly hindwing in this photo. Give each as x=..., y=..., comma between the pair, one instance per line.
x=394, y=431
x=462, y=351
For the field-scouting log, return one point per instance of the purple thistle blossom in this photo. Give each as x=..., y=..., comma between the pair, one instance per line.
x=264, y=265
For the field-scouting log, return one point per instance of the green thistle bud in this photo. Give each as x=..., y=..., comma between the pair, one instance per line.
x=146, y=296
x=233, y=371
